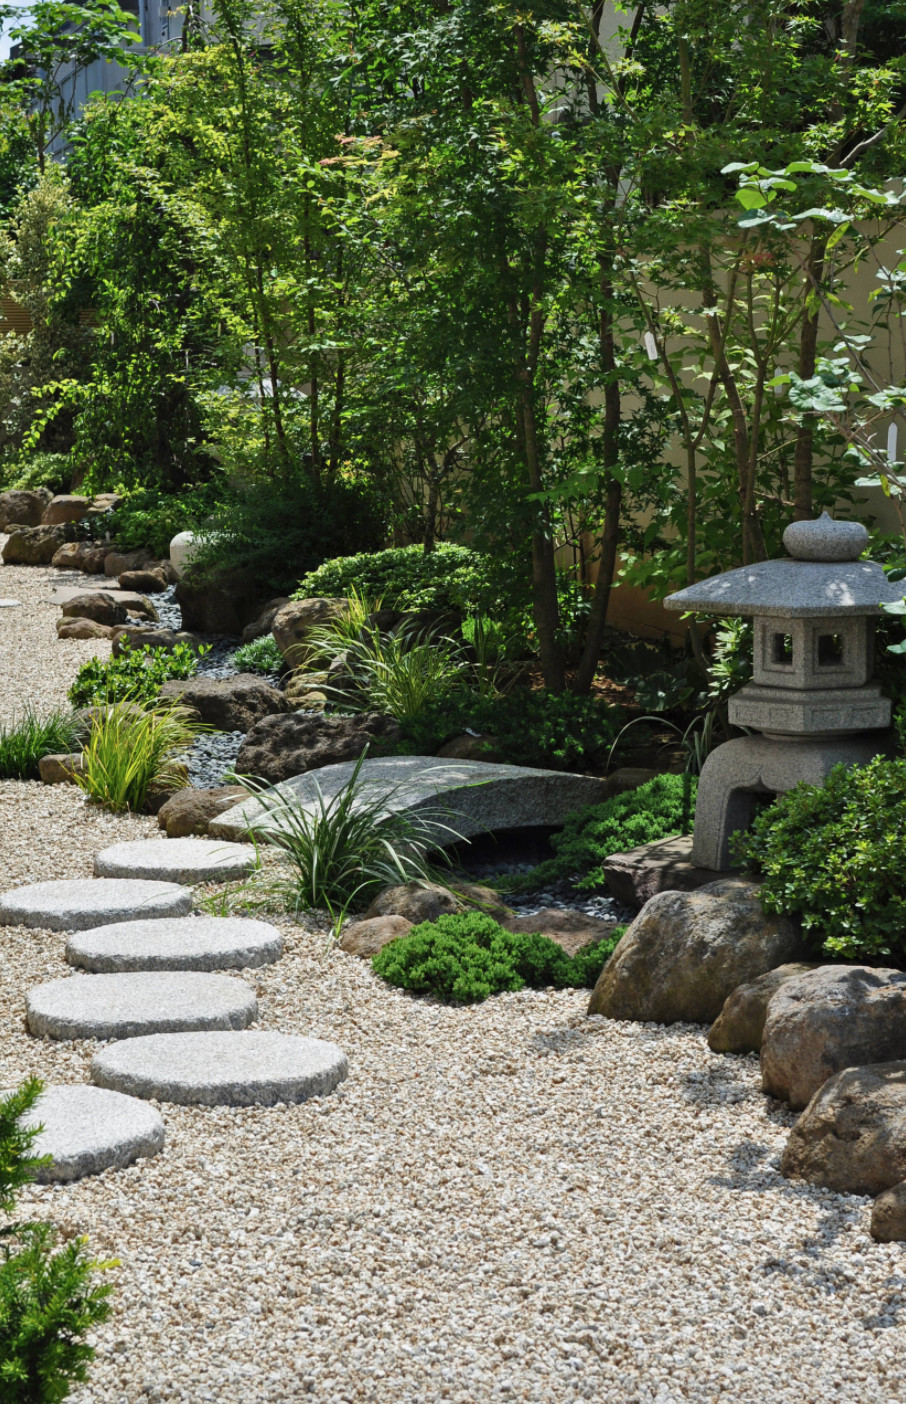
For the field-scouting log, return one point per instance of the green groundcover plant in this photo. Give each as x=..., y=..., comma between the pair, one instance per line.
x=137, y=675
x=260, y=656
x=27, y=739
x=465, y=958
x=658, y=809
x=49, y=1294
x=835, y=855
x=450, y=578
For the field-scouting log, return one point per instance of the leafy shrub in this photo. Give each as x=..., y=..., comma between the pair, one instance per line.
x=131, y=752
x=49, y=1299
x=273, y=533
x=662, y=807
x=151, y=518
x=136, y=676
x=555, y=731
x=465, y=958
x=260, y=656
x=834, y=854
x=23, y=743
x=341, y=850
x=36, y=470
x=450, y=579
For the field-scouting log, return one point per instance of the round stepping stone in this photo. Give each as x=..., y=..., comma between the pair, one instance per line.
x=83, y=903
x=222, y=1069
x=90, y=1129
x=176, y=860
x=128, y=1006
x=190, y=943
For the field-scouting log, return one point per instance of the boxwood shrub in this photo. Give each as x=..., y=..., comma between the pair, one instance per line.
x=465, y=958
x=835, y=855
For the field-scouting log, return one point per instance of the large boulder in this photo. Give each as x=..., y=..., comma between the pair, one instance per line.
x=280, y=747
x=293, y=623
x=190, y=811
x=852, y=1135
x=263, y=624
x=65, y=509
x=687, y=951
x=22, y=507
x=835, y=1017
x=151, y=581
x=97, y=605
x=739, y=1026
x=221, y=605
x=35, y=545
x=228, y=704
x=414, y=902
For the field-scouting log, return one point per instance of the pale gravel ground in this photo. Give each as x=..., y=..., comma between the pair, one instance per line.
x=510, y=1202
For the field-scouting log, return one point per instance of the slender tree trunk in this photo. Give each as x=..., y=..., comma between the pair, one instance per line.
x=808, y=355
x=545, y=607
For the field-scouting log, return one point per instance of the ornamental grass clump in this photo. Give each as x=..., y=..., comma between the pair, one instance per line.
x=465, y=958
x=28, y=739
x=835, y=856
x=131, y=752
x=49, y=1294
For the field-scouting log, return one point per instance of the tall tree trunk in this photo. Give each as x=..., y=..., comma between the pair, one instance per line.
x=808, y=355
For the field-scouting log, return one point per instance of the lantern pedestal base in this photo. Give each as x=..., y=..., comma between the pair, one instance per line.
x=738, y=771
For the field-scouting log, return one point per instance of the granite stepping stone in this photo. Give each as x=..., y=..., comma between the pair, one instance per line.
x=189, y=943
x=176, y=860
x=90, y=1129
x=82, y=903
x=128, y=1006
x=222, y=1069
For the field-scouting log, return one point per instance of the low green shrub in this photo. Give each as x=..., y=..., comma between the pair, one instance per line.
x=555, y=731
x=50, y=1298
x=25, y=741
x=130, y=752
x=260, y=656
x=465, y=958
x=450, y=579
x=37, y=470
x=662, y=807
x=834, y=855
x=136, y=676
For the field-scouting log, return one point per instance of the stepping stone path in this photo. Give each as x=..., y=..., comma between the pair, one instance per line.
x=82, y=903
x=222, y=1069
x=128, y=1006
x=89, y=1129
x=176, y=860
x=189, y=943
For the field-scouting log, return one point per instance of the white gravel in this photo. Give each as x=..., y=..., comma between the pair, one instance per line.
x=507, y=1202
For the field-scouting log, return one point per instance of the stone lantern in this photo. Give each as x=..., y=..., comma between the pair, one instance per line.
x=811, y=703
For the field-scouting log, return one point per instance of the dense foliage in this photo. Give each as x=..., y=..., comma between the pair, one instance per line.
x=451, y=579
x=465, y=958
x=658, y=809
x=833, y=855
x=49, y=1296
x=137, y=675
x=24, y=741
x=260, y=656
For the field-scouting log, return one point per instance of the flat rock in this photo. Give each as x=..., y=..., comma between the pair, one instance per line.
x=176, y=860
x=687, y=951
x=852, y=1135
x=144, y=636
x=835, y=1017
x=83, y=629
x=98, y=605
x=572, y=930
x=222, y=1069
x=90, y=1129
x=228, y=704
x=739, y=1026
x=190, y=811
x=639, y=874
x=130, y=1006
x=61, y=770
x=188, y=943
x=467, y=797
x=81, y=903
